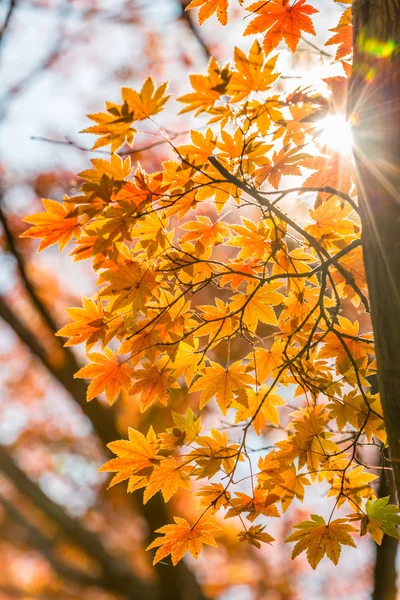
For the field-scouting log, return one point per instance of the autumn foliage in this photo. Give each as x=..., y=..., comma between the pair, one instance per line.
x=272, y=352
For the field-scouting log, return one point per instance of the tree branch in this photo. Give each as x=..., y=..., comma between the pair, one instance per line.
x=116, y=572
x=11, y=7
x=187, y=18
x=46, y=548
x=23, y=274
x=283, y=217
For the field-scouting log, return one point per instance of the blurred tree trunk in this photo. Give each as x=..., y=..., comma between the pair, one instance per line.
x=374, y=108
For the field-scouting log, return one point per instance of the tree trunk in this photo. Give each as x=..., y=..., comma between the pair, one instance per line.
x=385, y=576
x=374, y=103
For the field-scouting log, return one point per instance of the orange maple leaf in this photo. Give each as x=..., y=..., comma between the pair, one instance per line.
x=87, y=323
x=107, y=375
x=343, y=35
x=180, y=537
x=281, y=19
x=153, y=383
x=208, y=8
x=58, y=224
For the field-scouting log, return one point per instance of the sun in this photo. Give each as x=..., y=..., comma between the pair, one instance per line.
x=335, y=132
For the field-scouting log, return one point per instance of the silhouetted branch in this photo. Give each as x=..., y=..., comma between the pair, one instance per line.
x=263, y=201
x=72, y=144
x=187, y=18
x=11, y=7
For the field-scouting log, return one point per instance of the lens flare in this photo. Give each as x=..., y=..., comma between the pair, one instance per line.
x=335, y=132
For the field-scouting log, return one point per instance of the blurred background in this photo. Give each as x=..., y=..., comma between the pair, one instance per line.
x=63, y=535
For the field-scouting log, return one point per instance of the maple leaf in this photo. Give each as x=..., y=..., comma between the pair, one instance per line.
x=114, y=126
x=107, y=375
x=319, y=538
x=88, y=324
x=241, y=150
x=343, y=35
x=188, y=424
x=331, y=170
x=261, y=503
x=265, y=362
x=222, y=383
x=218, y=323
x=347, y=350
x=148, y=102
x=59, y=223
x=186, y=361
x=203, y=145
x=214, y=451
x=331, y=219
x=128, y=286
x=213, y=496
x=292, y=486
x=256, y=304
x=284, y=162
x=281, y=19
x=208, y=8
x=116, y=169
x=153, y=383
x=207, y=88
x=168, y=477
x=352, y=485
x=381, y=517
x=254, y=535
x=253, y=73
x=181, y=537
x=345, y=410
x=134, y=456
x=262, y=403
x=253, y=239
x=204, y=232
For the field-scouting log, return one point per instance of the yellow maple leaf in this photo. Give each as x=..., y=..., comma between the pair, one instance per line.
x=352, y=485
x=148, y=102
x=256, y=304
x=213, y=497
x=331, y=219
x=253, y=73
x=319, y=538
x=222, y=383
x=254, y=535
x=134, y=456
x=207, y=88
x=168, y=477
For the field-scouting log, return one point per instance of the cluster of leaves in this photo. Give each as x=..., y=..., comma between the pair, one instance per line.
x=212, y=220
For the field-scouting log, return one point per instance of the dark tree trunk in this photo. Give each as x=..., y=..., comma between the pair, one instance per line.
x=374, y=100
x=385, y=586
